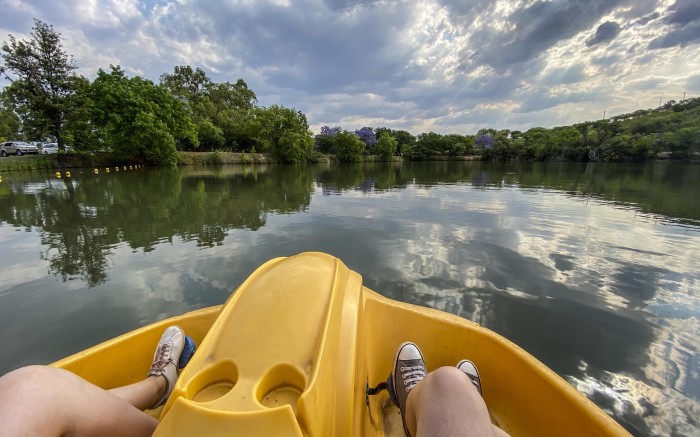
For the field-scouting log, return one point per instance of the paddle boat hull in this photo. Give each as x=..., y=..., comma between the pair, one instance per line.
x=295, y=347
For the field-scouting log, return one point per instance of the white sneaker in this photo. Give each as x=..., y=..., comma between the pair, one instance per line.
x=472, y=372
x=166, y=357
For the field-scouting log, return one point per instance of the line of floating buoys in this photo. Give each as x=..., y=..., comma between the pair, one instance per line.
x=67, y=174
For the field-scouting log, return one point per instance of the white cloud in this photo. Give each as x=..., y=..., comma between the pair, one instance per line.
x=425, y=65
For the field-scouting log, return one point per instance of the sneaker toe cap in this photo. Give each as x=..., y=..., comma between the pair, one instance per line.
x=409, y=351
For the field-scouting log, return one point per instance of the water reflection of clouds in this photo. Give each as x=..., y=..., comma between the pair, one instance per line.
x=627, y=397
x=604, y=266
x=19, y=257
x=569, y=281
x=171, y=279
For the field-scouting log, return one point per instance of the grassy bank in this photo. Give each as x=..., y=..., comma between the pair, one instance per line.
x=26, y=163
x=58, y=161
x=221, y=158
x=75, y=160
x=63, y=161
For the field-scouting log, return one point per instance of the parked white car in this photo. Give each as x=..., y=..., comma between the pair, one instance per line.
x=51, y=148
x=18, y=148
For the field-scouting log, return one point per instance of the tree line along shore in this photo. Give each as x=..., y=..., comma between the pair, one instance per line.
x=116, y=118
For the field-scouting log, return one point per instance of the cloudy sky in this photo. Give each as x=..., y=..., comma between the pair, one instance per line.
x=440, y=65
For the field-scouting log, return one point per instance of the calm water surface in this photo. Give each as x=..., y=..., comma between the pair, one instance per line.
x=594, y=269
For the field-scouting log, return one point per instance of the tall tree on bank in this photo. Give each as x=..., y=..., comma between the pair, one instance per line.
x=9, y=122
x=283, y=132
x=139, y=120
x=220, y=111
x=42, y=77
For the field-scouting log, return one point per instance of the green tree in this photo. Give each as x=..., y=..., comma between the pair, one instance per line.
x=9, y=121
x=140, y=120
x=80, y=130
x=219, y=110
x=293, y=147
x=284, y=132
x=458, y=145
x=644, y=147
x=431, y=144
x=403, y=138
x=186, y=84
x=210, y=137
x=538, y=144
x=569, y=143
x=616, y=148
x=43, y=79
x=685, y=142
x=386, y=147
x=502, y=145
x=349, y=147
x=380, y=131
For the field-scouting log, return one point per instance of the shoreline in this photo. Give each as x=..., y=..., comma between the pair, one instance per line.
x=69, y=161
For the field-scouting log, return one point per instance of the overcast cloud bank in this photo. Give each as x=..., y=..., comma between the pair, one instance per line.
x=440, y=65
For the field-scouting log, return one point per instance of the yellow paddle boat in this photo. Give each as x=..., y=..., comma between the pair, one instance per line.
x=295, y=348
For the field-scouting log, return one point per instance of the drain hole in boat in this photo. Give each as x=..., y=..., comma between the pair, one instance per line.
x=213, y=382
x=282, y=385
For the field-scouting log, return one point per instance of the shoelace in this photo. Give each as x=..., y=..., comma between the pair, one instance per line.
x=160, y=362
x=412, y=376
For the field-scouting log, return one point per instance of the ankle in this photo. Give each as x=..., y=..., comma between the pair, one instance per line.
x=159, y=384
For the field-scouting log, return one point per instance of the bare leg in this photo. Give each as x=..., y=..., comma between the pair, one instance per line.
x=143, y=394
x=447, y=404
x=44, y=401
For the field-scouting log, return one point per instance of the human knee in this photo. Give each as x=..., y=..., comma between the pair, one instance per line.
x=445, y=377
x=447, y=380
x=30, y=376
x=24, y=373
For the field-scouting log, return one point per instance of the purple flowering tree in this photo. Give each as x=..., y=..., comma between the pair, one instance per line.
x=484, y=141
x=325, y=141
x=326, y=130
x=367, y=136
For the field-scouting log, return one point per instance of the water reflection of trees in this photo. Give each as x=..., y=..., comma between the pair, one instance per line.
x=658, y=188
x=80, y=220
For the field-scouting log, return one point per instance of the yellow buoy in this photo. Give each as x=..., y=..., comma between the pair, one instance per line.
x=58, y=174
x=131, y=167
x=67, y=174
x=124, y=168
x=0, y=178
x=116, y=168
x=96, y=171
x=107, y=169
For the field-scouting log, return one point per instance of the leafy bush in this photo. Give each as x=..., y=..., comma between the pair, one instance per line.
x=215, y=158
x=349, y=147
x=386, y=147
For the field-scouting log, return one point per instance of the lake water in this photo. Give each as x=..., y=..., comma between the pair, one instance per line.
x=592, y=268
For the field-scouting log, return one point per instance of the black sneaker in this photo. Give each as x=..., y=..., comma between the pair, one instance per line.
x=472, y=372
x=408, y=370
